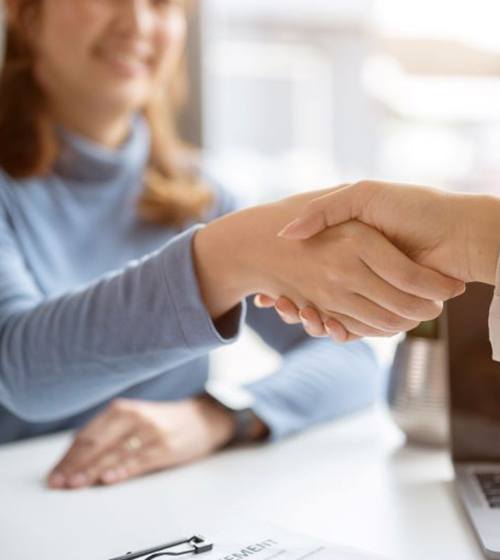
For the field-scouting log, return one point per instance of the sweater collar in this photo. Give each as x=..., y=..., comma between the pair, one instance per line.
x=85, y=161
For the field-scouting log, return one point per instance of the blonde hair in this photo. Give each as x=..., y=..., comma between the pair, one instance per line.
x=173, y=192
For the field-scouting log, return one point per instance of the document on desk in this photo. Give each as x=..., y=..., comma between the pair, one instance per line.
x=273, y=543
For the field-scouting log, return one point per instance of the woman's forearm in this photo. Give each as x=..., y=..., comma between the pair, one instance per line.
x=64, y=355
x=317, y=382
x=222, y=265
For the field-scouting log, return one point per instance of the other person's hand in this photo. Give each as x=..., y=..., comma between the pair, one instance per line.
x=131, y=438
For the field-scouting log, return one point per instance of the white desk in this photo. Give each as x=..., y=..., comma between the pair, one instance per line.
x=351, y=483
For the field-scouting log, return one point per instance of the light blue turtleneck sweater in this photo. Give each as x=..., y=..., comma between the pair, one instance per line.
x=96, y=303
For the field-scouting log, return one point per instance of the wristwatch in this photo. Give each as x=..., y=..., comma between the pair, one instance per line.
x=239, y=402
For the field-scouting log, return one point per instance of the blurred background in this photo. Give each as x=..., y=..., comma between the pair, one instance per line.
x=290, y=95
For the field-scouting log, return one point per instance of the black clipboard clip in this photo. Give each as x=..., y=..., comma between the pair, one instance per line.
x=185, y=547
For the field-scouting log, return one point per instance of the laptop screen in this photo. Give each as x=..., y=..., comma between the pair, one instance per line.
x=474, y=377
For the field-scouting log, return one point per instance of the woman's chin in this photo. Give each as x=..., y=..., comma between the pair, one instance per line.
x=126, y=98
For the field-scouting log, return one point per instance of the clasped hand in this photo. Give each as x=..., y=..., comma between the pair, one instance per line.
x=446, y=235
x=350, y=281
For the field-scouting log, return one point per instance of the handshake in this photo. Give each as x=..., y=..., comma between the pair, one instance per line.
x=367, y=259
x=412, y=249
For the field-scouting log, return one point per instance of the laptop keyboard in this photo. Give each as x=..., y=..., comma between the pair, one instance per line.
x=490, y=484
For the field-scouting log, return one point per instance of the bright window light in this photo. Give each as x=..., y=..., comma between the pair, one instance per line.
x=472, y=21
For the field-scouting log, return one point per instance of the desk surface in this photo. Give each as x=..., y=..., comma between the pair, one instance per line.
x=351, y=482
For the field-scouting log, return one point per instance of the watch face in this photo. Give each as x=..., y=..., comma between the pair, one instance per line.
x=232, y=397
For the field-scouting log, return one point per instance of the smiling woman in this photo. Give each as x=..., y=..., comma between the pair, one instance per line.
x=83, y=57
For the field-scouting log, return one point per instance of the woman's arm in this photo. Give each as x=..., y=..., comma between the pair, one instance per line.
x=61, y=356
x=242, y=252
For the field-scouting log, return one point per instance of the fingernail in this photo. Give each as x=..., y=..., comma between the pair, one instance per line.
x=305, y=320
x=283, y=316
x=56, y=480
x=461, y=290
x=331, y=332
x=334, y=333
x=278, y=307
x=77, y=480
x=108, y=477
x=292, y=229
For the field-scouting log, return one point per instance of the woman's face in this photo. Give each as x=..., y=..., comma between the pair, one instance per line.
x=115, y=53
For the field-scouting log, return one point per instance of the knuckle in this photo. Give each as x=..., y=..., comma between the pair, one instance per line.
x=119, y=405
x=83, y=436
x=423, y=310
x=365, y=188
x=143, y=424
x=165, y=444
x=136, y=415
x=83, y=440
x=410, y=278
x=311, y=206
x=149, y=425
x=416, y=308
x=364, y=184
x=392, y=323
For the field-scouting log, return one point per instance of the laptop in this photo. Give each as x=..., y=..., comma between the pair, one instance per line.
x=475, y=413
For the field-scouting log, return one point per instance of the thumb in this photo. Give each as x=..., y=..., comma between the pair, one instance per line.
x=322, y=212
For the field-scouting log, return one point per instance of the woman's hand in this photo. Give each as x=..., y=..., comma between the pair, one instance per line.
x=314, y=324
x=131, y=438
x=350, y=273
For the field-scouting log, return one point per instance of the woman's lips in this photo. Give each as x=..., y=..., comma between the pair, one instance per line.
x=127, y=64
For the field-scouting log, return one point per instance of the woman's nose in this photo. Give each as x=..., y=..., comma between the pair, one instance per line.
x=136, y=16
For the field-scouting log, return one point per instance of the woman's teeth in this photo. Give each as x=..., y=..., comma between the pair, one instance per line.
x=128, y=62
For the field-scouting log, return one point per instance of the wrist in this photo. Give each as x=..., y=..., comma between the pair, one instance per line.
x=243, y=253
x=482, y=223
x=239, y=252
x=220, y=254
x=221, y=423
x=238, y=403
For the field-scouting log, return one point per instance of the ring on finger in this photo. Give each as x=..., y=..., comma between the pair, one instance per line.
x=133, y=443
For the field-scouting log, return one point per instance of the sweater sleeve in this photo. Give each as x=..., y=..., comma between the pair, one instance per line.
x=61, y=356
x=317, y=380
